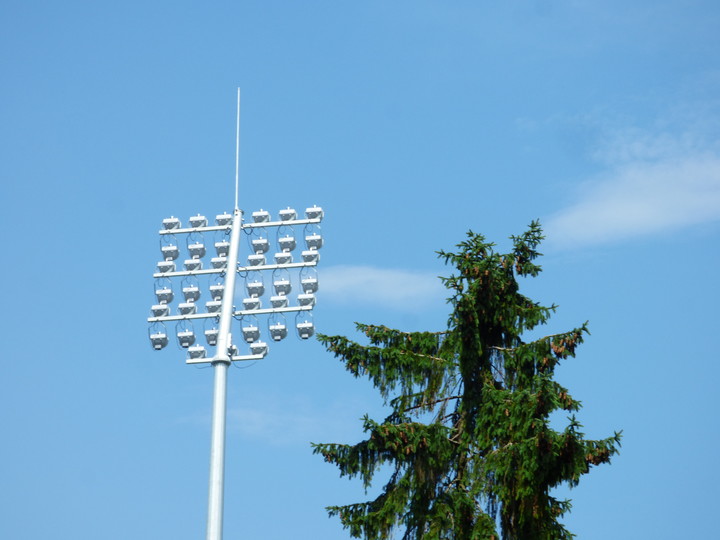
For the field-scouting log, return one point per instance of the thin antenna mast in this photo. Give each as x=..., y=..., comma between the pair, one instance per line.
x=237, y=150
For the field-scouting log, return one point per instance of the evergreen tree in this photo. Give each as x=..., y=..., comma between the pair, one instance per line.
x=468, y=439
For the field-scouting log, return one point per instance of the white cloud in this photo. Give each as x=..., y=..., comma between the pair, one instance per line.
x=397, y=289
x=654, y=184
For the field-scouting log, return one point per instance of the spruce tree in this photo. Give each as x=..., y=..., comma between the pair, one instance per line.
x=468, y=440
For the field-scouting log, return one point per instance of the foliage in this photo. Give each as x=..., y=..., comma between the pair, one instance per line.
x=468, y=438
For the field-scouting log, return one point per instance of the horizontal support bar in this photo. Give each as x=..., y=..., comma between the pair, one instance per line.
x=184, y=273
x=211, y=228
x=275, y=266
x=269, y=311
x=257, y=268
x=243, y=358
x=266, y=311
x=288, y=223
x=195, y=229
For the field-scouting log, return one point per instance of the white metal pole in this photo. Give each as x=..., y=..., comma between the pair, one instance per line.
x=220, y=365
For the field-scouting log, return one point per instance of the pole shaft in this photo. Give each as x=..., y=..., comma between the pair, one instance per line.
x=220, y=365
x=217, y=454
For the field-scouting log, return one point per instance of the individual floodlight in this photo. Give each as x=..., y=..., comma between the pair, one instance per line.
x=260, y=245
x=259, y=348
x=288, y=214
x=217, y=290
x=281, y=281
x=187, y=308
x=282, y=286
x=218, y=263
x=257, y=259
x=158, y=341
x=255, y=287
x=309, y=284
x=191, y=291
x=158, y=336
x=165, y=266
x=196, y=351
x=251, y=303
x=198, y=221
x=222, y=248
x=304, y=324
x=311, y=255
x=213, y=306
x=313, y=241
x=211, y=335
x=261, y=216
x=171, y=223
x=196, y=250
x=250, y=331
x=160, y=310
x=185, y=336
x=164, y=294
x=280, y=301
x=283, y=258
x=305, y=329
x=192, y=265
x=170, y=252
x=308, y=280
x=278, y=329
x=314, y=213
x=223, y=219
x=306, y=299
x=287, y=243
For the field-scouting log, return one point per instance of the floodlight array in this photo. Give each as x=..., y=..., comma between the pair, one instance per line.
x=178, y=290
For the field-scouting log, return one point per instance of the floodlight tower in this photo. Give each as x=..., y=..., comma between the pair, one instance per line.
x=219, y=312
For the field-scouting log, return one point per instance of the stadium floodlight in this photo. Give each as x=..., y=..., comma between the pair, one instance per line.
x=198, y=221
x=314, y=241
x=196, y=250
x=170, y=252
x=309, y=284
x=260, y=245
x=222, y=248
x=216, y=291
x=158, y=336
x=288, y=214
x=259, y=348
x=284, y=257
x=223, y=219
x=251, y=333
x=257, y=259
x=287, y=243
x=314, y=213
x=311, y=255
x=305, y=329
x=219, y=262
x=252, y=303
x=213, y=306
x=185, y=338
x=166, y=266
x=217, y=315
x=306, y=299
x=171, y=223
x=160, y=310
x=211, y=335
x=279, y=301
x=197, y=351
x=261, y=216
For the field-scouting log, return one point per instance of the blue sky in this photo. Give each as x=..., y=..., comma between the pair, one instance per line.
x=410, y=123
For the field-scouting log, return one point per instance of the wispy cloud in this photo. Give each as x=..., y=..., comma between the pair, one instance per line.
x=391, y=288
x=295, y=419
x=654, y=183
